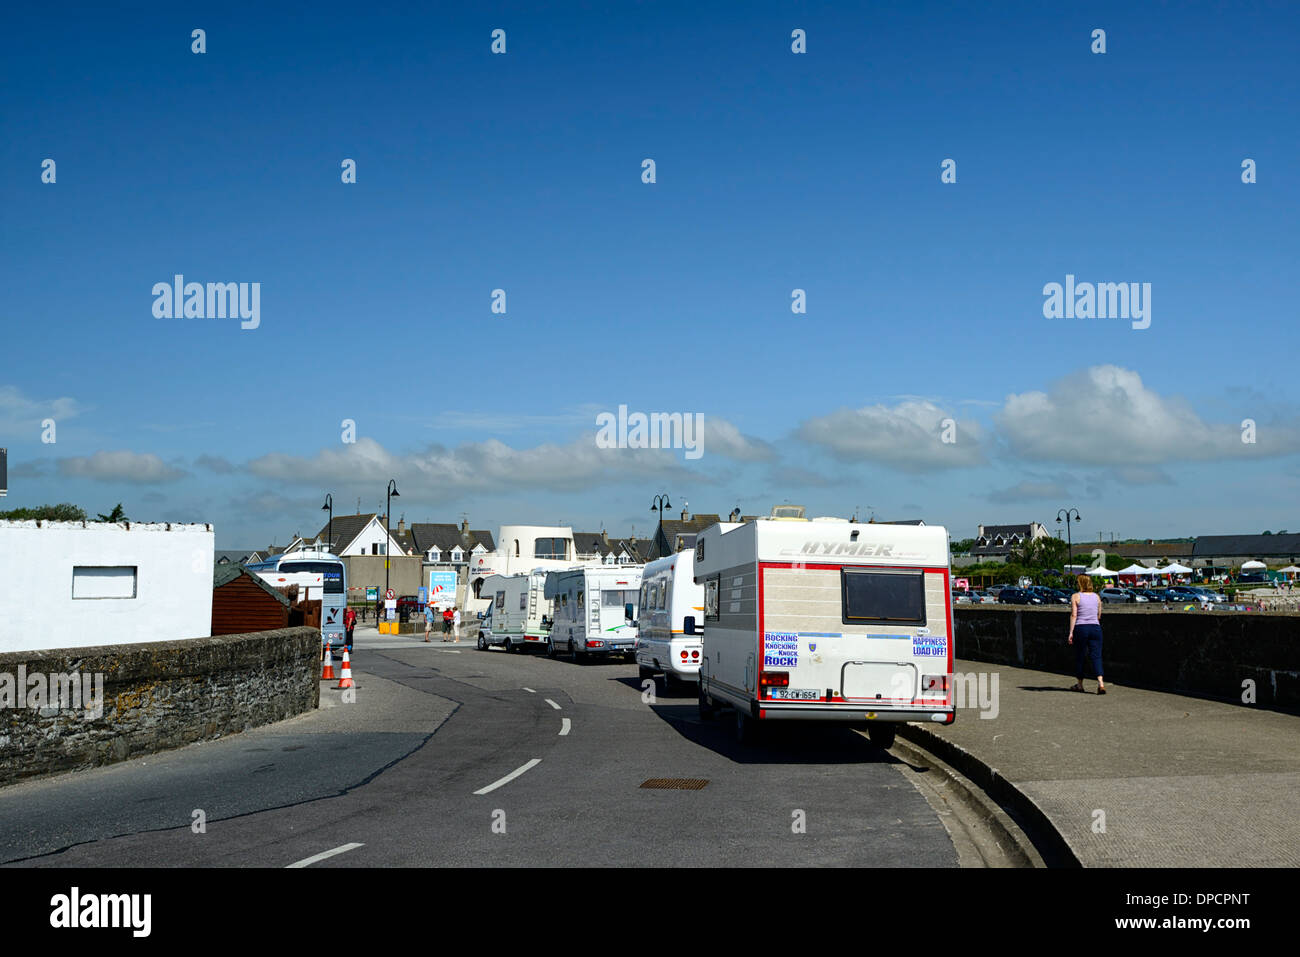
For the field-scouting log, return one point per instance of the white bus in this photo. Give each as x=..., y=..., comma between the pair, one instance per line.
x=518, y=615
x=319, y=576
x=670, y=620
x=594, y=610
x=826, y=619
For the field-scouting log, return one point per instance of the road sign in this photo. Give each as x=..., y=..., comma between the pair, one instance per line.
x=390, y=595
x=372, y=593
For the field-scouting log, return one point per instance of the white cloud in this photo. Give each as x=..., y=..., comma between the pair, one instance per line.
x=120, y=466
x=1105, y=415
x=442, y=473
x=20, y=414
x=907, y=436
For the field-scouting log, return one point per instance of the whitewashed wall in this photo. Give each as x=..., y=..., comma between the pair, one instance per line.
x=173, y=584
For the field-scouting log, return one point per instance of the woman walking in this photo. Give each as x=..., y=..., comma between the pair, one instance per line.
x=1085, y=625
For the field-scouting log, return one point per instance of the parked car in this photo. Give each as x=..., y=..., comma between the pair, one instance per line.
x=1109, y=595
x=1051, y=596
x=1136, y=595
x=1209, y=594
x=960, y=597
x=1151, y=594
x=1182, y=593
x=1018, y=596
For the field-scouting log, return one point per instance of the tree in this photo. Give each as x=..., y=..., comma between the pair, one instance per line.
x=962, y=546
x=117, y=515
x=63, y=512
x=1039, y=554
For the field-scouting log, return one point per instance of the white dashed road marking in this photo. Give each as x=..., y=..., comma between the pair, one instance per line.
x=509, y=777
x=553, y=704
x=324, y=854
x=565, y=726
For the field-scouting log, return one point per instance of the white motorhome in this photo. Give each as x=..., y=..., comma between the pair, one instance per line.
x=518, y=613
x=521, y=549
x=594, y=609
x=670, y=620
x=826, y=619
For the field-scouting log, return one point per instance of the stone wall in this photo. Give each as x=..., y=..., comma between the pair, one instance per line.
x=1206, y=653
x=155, y=695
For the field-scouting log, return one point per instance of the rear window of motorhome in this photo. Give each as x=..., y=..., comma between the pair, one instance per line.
x=711, y=589
x=883, y=598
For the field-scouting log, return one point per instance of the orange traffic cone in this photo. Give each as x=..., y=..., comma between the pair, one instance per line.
x=346, y=680
x=328, y=673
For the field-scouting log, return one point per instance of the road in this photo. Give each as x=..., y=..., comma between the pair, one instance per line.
x=451, y=756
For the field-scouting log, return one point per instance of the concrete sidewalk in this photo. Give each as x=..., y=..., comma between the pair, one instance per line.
x=1181, y=782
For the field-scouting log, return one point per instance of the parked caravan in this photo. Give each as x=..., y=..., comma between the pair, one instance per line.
x=518, y=615
x=827, y=620
x=594, y=610
x=670, y=620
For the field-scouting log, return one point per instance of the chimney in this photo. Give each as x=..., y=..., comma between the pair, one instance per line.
x=685, y=515
x=464, y=525
x=735, y=515
x=604, y=536
x=401, y=525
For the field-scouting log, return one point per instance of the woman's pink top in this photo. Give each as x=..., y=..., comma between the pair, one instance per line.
x=1087, y=609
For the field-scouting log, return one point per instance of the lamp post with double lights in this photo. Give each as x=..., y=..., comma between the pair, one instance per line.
x=1068, y=513
x=660, y=503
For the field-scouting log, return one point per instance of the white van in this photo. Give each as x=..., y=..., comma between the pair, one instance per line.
x=828, y=620
x=594, y=610
x=518, y=616
x=670, y=621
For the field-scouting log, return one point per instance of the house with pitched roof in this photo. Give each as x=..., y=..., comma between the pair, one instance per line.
x=997, y=541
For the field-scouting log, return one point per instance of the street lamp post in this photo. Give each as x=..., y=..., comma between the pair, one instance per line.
x=660, y=503
x=388, y=524
x=329, y=535
x=1069, y=539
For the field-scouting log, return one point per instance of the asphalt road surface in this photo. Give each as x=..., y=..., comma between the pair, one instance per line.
x=452, y=756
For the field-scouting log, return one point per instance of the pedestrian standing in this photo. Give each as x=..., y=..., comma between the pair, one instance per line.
x=1085, y=625
x=455, y=624
x=428, y=620
x=349, y=625
x=446, y=622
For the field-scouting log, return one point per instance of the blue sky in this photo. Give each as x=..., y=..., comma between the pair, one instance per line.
x=775, y=171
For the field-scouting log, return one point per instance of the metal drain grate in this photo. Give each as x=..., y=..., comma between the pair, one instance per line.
x=676, y=784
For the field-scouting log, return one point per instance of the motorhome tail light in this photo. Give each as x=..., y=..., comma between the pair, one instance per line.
x=595, y=643
x=775, y=679
x=695, y=654
x=683, y=656
x=934, y=684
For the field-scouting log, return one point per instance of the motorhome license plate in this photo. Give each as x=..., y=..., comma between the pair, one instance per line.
x=795, y=694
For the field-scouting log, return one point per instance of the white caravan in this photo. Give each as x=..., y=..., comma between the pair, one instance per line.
x=826, y=619
x=521, y=549
x=518, y=613
x=594, y=608
x=670, y=621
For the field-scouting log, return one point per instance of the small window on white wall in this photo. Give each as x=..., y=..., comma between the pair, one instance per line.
x=103, y=581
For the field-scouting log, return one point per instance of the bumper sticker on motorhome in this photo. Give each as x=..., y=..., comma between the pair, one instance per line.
x=930, y=646
x=780, y=649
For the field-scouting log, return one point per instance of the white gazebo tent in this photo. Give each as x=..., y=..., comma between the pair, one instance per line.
x=1290, y=571
x=1136, y=569
x=1102, y=572
x=1253, y=566
x=1174, y=569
